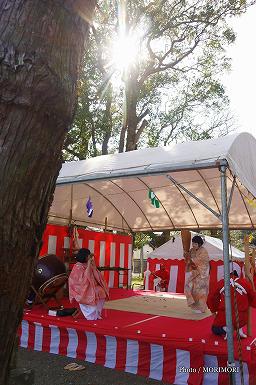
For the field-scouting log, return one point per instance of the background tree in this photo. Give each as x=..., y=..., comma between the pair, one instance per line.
x=41, y=46
x=99, y=112
x=184, y=44
x=162, y=61
x=151, y=77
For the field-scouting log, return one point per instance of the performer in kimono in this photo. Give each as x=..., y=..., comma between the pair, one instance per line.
x=161, y=278
x=245, y=297
x=87, y=286
x=197, y=276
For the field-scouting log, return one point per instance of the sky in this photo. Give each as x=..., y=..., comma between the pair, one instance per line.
x=241, y=81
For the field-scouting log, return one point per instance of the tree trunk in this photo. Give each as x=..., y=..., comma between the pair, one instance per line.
x=106, y=138
x=131, y=98
x=122, y=136
x=108, y=122
x=41, y=44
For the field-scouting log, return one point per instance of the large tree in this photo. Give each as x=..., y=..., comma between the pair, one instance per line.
x=41, y=46
x=169, y=87
x=184, y=43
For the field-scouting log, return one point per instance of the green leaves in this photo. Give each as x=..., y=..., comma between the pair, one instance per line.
x=171, y=92
x=229, y=35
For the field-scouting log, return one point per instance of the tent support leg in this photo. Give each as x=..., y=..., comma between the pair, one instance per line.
x=231, y=194
x=228, y=308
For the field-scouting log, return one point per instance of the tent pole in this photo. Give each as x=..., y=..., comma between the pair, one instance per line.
x=194, y=196
x=228, y=308
x=141, y=261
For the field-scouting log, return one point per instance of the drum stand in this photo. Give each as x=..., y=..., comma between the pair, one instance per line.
x=40, y=298
x=50, y=289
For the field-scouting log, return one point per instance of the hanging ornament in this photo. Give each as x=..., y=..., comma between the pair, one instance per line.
x=89, y=207
x=154, y=201
x=251, y=202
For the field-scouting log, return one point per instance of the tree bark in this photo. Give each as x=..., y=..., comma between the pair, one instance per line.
x=41, y=45
x=108, y=121
x=106, y=138
x=122, y=136
x=131, y=99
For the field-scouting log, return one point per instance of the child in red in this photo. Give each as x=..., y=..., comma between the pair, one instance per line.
x=245, y=297
x=164, y=275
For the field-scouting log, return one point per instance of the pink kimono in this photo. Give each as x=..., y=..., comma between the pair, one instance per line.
x=88, y=288
x=197, y=279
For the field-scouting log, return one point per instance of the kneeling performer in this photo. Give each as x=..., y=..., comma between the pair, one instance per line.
x=162, y=278
x=241, y=291
x=87, y=286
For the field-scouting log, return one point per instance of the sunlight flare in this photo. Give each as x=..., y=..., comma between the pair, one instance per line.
x=125, y=51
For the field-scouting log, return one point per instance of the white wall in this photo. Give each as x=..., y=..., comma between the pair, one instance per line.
x=146, y=250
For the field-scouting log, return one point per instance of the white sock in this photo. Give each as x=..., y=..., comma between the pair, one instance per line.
x=197, y=311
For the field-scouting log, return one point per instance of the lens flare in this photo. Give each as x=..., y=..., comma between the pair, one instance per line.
x=125, y=51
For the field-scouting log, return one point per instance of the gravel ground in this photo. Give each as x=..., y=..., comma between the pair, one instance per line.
x=49, y=371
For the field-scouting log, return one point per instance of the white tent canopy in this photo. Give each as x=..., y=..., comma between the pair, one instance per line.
x=118, y=186
x=173, y=249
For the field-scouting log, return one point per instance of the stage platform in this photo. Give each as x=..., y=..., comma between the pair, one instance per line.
x=145, y=333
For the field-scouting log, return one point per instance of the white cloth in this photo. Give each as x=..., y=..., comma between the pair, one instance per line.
x=92, y=312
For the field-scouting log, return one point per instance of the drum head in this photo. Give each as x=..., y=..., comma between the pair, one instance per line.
x=47, y=268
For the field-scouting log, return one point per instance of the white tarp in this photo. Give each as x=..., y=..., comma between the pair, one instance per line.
x=118, y=186
x=173, y=249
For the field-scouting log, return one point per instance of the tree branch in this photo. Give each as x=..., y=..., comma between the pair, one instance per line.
x=142, y=115
x=140, y=130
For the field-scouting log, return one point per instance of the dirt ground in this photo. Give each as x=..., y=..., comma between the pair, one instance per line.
x=49, y=370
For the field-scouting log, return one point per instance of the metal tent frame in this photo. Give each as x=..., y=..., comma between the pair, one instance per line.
x=223, y=217
x=222, y=165
x=231, y=159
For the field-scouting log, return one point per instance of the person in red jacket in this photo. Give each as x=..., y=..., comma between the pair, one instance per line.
x=162, y=278
x=245, y=297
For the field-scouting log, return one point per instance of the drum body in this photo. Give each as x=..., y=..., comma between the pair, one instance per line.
x=47, y=268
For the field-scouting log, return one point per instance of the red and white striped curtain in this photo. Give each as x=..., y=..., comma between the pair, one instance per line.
x=176, y=268
x=109, y=249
